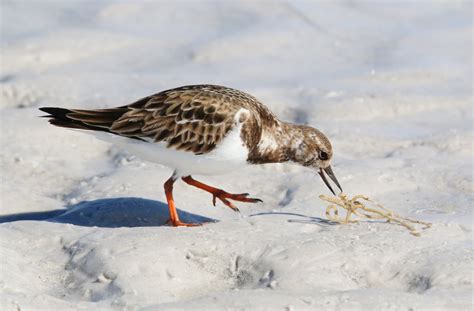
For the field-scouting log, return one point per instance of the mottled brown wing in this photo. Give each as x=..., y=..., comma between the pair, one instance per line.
x=193, y=120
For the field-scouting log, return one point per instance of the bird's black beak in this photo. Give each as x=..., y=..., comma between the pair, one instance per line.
x=330, y=173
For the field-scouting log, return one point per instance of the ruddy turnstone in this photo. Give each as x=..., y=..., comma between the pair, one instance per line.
x=203, y=129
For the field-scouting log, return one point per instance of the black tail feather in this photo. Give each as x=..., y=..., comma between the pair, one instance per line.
x=57, y=113
x=92, y=120
x=71, y=118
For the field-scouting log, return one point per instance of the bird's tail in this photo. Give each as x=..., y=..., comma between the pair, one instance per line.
x=94, y=120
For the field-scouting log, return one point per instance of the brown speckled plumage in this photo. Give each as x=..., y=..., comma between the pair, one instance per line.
x=190, y=118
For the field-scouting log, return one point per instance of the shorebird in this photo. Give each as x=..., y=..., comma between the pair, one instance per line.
x=206, y=130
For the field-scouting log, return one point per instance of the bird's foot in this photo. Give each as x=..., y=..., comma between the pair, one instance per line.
x=221, y=194
x=224, y=196
x=179, y=223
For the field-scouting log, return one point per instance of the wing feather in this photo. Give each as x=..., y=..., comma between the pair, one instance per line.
x=193, y=119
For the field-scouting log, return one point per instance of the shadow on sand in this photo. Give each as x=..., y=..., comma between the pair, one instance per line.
x=110, y=213
x=305, y=219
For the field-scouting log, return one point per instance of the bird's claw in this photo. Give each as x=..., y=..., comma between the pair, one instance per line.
x=178, y=223
x=223, y=196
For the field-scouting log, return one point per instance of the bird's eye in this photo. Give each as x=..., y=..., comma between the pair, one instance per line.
x=323, y=155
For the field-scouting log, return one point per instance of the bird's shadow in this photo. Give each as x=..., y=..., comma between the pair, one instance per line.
x=305, y=219
x=110, y=213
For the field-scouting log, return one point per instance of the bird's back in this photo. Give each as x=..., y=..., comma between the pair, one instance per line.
x=193, y=118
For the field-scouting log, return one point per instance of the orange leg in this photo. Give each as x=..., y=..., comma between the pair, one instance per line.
x=221, y=194
x=174, y=218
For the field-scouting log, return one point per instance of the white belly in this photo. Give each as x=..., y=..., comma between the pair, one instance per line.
x=230, y=154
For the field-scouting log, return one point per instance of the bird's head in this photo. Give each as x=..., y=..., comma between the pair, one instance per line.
x=315, y=152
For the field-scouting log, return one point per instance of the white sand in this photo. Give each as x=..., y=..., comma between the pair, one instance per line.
x=390, y=84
